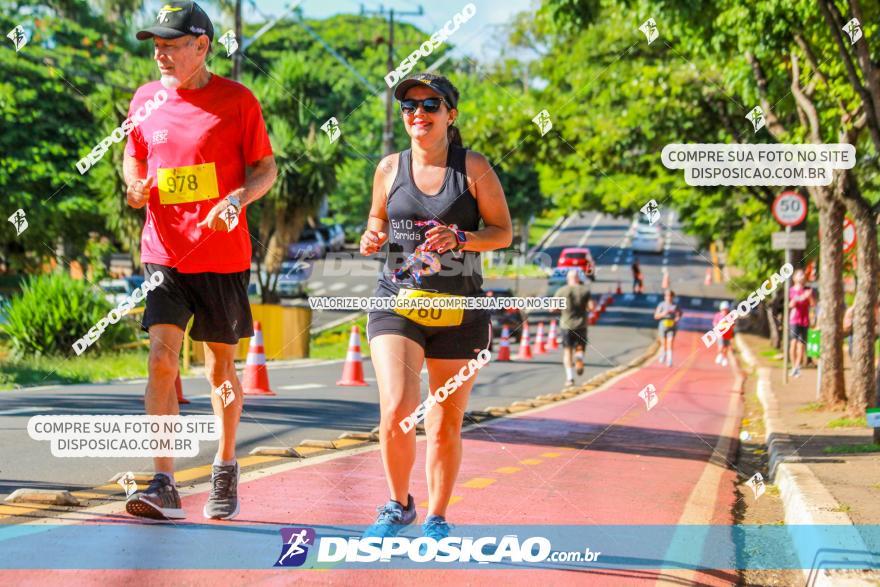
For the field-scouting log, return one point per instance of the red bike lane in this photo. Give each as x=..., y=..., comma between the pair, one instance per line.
x=599, y=459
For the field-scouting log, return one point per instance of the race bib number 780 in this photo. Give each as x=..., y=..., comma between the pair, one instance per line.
x=182, y=185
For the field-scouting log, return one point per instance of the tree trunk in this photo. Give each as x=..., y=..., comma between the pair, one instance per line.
x=288, y=227
x=861, y=391
x=830, y=293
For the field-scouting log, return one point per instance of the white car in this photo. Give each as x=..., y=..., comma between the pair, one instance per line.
x=115, y=290
x=647, y=239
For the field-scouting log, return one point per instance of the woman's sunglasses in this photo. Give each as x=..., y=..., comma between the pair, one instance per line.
x=429, y=105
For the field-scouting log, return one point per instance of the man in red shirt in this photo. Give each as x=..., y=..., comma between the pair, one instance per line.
x=198, y=156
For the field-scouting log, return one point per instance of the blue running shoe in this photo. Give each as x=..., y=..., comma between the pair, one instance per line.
x=434, y=527
x=393, y=518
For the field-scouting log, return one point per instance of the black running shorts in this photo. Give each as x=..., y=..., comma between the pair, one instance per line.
x=448, y=342
x=574, y=338
x=219, y=302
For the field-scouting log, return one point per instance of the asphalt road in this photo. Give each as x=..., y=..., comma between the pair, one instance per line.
x=310, y=405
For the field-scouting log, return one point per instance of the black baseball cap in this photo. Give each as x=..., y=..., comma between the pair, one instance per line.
x=176, y=19
x=438, y=83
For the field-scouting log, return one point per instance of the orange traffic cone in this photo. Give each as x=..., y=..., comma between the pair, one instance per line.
x=256, y=376
x=353, y=370
x=665, y=285
x=525, y=352
x=552, y=344
x=708, y=280
x=539, y=349
x=179, y=388
x=618, y=291
x=504, y=345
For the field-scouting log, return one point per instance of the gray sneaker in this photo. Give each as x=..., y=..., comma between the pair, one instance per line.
x=223, y=501
x=160, y=501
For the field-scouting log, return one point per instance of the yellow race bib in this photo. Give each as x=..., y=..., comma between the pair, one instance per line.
x=429, y=316
x=669, y=322
x=182, y=185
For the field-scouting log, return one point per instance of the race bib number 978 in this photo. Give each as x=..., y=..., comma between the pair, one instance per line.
x=182, y=185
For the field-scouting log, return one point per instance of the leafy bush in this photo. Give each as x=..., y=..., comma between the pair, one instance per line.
x=55, y=310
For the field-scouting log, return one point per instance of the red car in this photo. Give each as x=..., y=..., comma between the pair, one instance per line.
x=577, y=257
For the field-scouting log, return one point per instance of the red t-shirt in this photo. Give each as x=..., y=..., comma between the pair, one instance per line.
x=719, y=316
x=197, y=145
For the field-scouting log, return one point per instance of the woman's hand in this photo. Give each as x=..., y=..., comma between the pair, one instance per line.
x=372, y=241
x=441, y=239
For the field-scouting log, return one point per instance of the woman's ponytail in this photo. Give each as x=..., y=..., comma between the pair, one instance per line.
x=453, y=135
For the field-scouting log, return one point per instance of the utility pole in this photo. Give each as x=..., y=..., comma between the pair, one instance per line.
x=388, y=134
x=236, y=57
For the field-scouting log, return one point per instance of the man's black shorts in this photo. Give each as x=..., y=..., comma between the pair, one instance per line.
x=574, y=338
x=219, y=302
x=448, y=342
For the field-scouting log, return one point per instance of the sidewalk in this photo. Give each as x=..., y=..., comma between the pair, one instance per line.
x=598, y=459
x=812, y=450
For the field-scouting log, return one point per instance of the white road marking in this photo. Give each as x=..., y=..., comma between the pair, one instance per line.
x=302, y=386
x=319, y=292
x=316, y=284
x=359, y=288
x=28, y=410
x=337, y=286
x=614, y=268
x=587, y=234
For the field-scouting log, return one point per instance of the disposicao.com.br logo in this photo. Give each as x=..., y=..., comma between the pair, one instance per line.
x=452, y=549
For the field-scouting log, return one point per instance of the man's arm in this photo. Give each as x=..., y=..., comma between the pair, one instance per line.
x=259, y=178
x=134, y=171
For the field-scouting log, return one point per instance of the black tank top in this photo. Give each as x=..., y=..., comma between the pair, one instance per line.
x=406, y=205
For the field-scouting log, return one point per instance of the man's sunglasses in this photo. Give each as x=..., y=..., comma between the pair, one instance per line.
x=429, y=105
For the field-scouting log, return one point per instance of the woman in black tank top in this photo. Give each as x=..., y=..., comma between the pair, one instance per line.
x=429, y=203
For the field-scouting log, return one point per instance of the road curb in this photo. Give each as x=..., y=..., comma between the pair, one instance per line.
x=805, y=500
x=43, y=496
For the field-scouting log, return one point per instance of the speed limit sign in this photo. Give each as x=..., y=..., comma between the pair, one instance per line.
x=790, y=208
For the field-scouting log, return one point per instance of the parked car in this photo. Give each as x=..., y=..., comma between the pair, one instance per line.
x=115, y=290
x=4, y=304
x=647, y=239
x=559, y=276
x=334, y=236
x=579, y=258
x=512, y=318
x=134, y=282
x=311, y=245
x=292, y=279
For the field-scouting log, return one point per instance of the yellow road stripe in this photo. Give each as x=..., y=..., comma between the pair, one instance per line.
x=478, y=482
x=507, y=470
x=531, y=461
x=551, y=455
x=452, y=500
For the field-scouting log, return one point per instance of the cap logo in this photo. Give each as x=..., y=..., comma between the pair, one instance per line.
x=164, y=11
x=427, y=82
x=198, y=30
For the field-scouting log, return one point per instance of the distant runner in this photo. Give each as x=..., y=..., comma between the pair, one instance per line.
x=800, y=299
x=573, y=322
x=725, y=339
x=668, y=313
x=638, y=283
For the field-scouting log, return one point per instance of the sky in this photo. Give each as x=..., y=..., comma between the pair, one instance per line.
x=472, y=39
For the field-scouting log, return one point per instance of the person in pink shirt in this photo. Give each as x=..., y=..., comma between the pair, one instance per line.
x=800, y=298
x=725, y=339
